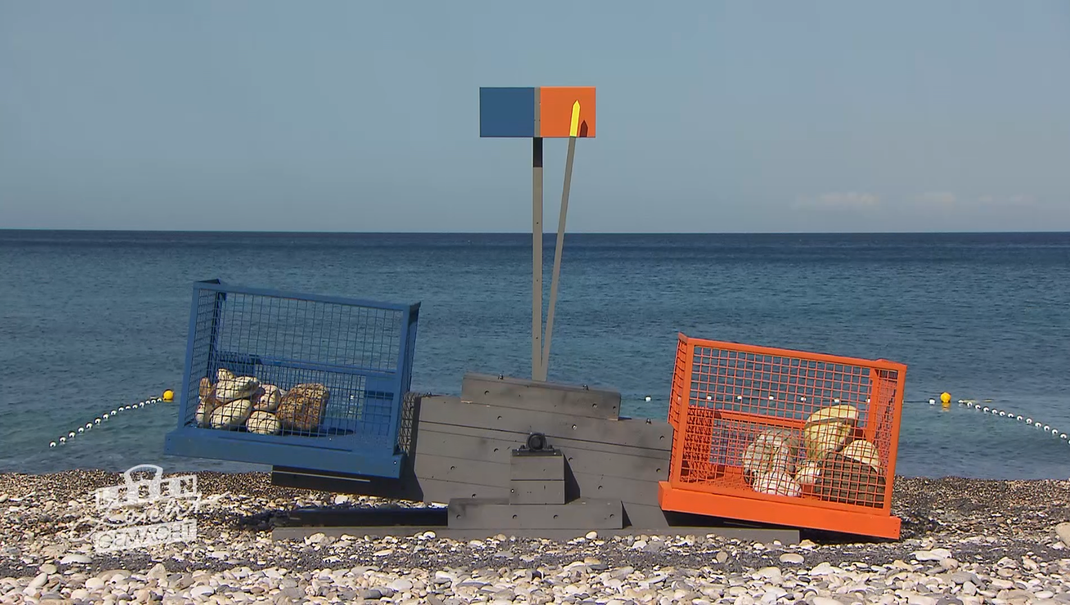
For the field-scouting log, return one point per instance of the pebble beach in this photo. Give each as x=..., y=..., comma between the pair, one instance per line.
x=963, y=541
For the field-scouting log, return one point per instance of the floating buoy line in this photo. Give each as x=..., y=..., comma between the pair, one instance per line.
x=991, y=409
x=167, y=397
x=945, y=401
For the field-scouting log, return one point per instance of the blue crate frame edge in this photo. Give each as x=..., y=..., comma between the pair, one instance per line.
x=229, y=288
x=319, y=453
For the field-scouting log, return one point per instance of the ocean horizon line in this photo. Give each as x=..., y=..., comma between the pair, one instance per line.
x=513, y=233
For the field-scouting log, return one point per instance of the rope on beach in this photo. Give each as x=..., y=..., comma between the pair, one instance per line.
x=104, y=418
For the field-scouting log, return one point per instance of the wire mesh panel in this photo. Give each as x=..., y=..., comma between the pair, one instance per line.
x=784, y=437
x=295, y=380
x=679, y=373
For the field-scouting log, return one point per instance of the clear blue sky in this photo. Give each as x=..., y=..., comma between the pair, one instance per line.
x=363, y=116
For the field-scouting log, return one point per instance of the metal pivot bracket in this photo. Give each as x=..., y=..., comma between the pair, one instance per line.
x=537, y=473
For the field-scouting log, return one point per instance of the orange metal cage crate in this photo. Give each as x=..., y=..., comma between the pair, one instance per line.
x=784, y=437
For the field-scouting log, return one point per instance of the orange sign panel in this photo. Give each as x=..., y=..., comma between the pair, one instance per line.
x=556, y=104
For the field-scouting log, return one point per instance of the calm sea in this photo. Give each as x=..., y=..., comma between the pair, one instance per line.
x=90, y=321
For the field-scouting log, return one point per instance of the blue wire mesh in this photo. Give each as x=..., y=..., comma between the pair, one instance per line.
x=350, y=362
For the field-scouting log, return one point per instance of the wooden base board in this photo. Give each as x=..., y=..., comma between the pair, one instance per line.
x=785, y=536
x=413, y=521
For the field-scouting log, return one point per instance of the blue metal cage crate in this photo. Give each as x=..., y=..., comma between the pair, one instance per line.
x=355, y=354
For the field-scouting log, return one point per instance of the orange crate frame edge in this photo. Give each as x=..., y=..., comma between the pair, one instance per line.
x=779, y=512
x=719, y=501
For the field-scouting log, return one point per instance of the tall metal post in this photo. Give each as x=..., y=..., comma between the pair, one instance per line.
x=536, y=259
x=573, y=132
x=539, y=113
x=544, y=367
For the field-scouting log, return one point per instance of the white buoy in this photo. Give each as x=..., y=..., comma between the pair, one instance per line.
x=932, y=401
x=63, y=440
x=648, y=397
x=53, y=444
x=70, y=435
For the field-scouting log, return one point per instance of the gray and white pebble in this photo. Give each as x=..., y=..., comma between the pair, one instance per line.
x=229, y=563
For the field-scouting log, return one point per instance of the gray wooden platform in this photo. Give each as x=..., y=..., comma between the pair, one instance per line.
x=599, y=471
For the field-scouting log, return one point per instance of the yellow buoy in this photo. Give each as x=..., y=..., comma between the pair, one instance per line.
x=168, y=395
x=945, y=398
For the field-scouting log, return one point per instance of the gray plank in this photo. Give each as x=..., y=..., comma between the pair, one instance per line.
x=406, y=488
x=479, y=447
x=409, y=488
x=442, y=491
x=537, y=492
x=463, y=470
x=631, y=491
x=536, y=467
x=641, y=433
x=513, y=440
x=645, y=515
x=495, y=474
x=581, y=514
x=439, y=479
x=540, y=396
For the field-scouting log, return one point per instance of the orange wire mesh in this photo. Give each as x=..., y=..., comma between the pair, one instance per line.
x=811, y=431
x=679, y=375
